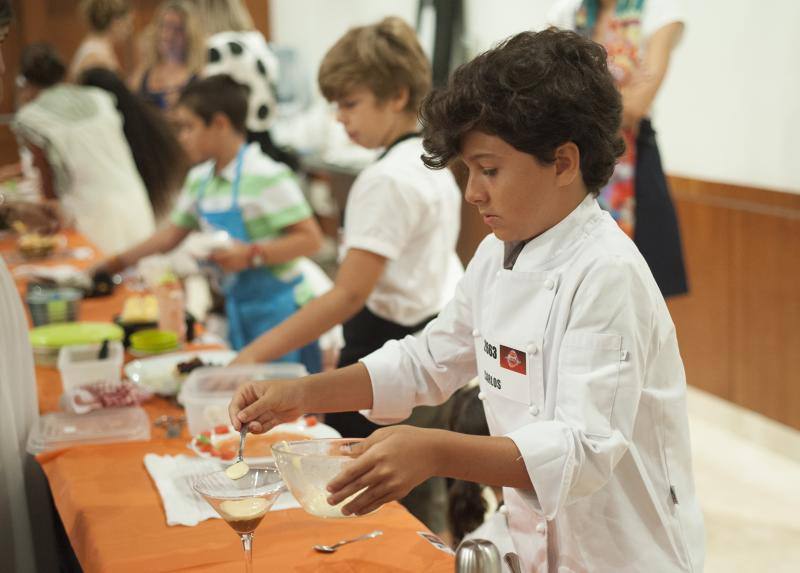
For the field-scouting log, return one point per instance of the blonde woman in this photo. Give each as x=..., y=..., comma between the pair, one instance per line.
x=173, y=54
x=110, y=24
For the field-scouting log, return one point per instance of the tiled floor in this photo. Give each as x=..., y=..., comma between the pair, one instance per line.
x=747, y=473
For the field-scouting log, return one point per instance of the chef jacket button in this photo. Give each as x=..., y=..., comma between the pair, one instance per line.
x=498, y=273
x=503, y=509
x=534, y=410
x=532, y=348
x=541, y=528
x=549, y=284
x=481, y=395
x=476, y=333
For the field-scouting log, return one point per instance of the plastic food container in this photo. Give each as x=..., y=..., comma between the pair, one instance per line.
x=62, y=430
x=308, y=466
x=52, y=305
x=48, y=340
x=79, y=365
x=208, y=391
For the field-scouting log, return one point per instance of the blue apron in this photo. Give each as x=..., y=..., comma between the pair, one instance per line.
x=255, y=299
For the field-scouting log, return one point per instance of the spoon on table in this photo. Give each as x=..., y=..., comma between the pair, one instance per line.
x=239, y=469
x=335, y=546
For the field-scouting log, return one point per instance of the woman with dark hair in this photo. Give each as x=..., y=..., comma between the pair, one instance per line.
x=76, y=138
x=158, y=155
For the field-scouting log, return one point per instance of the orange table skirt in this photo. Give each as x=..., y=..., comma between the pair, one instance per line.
x=113, y=516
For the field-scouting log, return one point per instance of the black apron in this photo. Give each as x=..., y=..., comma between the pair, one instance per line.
x=656, y=233
x=363, y=334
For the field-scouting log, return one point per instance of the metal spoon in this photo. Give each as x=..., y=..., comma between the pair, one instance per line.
x=238, y=469
x=242, y=434
x=335, y=546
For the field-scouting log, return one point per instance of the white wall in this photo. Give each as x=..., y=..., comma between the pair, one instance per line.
x=728, y=111
x=313, y=26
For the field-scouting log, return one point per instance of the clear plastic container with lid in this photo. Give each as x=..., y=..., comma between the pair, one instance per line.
x=80, y=365
x=63, y=430
x=208, y=391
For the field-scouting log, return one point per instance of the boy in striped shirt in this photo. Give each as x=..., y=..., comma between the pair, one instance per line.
x=237, y=189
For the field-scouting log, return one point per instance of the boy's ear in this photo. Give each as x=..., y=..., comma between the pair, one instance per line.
x=568, y=163
x=220, y=121
x=399, y=101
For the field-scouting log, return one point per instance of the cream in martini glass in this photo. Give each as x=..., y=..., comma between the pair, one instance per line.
x=243, y=502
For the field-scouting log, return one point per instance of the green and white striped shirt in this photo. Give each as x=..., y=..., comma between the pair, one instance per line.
x=269, y=196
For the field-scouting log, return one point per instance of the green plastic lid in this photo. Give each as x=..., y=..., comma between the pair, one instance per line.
x=69, y=333
x=154, y=340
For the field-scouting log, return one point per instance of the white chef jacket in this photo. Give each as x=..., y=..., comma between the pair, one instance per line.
x=578, y=364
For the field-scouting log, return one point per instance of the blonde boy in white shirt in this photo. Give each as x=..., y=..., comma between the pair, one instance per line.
x=399, y=266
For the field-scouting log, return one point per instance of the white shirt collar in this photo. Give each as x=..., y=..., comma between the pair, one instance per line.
x=542, y=249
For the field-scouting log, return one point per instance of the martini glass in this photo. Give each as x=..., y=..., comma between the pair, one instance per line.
x=242, y=503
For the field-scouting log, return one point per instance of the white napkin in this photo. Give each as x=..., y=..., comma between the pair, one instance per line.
x=183, y=506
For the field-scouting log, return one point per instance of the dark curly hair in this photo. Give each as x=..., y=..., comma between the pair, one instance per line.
x=535, y=91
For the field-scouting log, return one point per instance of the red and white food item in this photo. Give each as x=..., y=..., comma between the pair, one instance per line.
x=104, y=395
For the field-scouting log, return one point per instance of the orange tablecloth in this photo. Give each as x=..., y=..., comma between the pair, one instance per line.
x=113, y=516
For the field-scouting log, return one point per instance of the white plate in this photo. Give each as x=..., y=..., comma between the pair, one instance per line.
x=317, y=431
x=158, y=373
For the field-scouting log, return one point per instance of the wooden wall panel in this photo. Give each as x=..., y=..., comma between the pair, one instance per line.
x=739, y=327
x=704, y=334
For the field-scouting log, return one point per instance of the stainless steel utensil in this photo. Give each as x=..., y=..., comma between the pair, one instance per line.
x=478, y=556
x=242, y=434
x=335, y=546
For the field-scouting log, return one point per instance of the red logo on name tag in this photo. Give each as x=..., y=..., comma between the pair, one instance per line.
x=512, y=359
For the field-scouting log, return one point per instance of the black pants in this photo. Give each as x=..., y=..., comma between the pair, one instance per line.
x=656, y=233
x=363, y=334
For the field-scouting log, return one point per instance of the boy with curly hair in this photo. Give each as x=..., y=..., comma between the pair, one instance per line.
x=560, y=318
